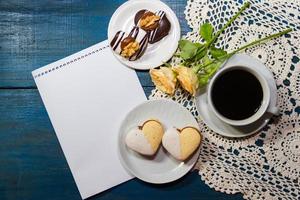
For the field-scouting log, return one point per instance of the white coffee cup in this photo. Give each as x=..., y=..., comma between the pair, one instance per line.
x=264, y=104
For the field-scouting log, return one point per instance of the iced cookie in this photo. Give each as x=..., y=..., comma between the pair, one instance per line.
x=181, y=143
x=145, y=139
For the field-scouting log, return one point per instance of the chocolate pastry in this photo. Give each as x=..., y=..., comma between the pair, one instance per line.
x=132, y=46
x=148, y=21
x=115, y=43
x=158, y=29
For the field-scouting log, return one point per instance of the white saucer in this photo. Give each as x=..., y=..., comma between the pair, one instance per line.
x=156, y=54
x=162, y=167
x=218, y=126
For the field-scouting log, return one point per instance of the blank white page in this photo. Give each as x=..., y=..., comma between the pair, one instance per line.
x=87, y=95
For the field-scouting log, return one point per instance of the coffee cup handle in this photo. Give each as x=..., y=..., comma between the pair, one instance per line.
x=273, y=110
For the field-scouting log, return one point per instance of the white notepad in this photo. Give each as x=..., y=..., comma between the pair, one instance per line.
x=87, y=95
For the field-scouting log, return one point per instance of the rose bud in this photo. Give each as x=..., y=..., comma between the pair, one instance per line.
x=164, y=79
x=187, y=78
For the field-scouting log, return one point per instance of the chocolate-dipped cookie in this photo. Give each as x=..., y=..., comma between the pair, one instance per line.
x=115, y=44
x=157, y=24
x=147, y=20
x=132, y=46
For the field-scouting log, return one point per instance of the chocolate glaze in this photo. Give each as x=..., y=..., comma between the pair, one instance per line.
x=161, y=31
x=142, y=37
x=127, y=40
x=117, y=40
x=138, y=16
x=136, y=34
x=143, y=43
x=149, y=27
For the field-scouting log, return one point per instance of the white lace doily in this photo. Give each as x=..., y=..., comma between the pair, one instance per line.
x=266, y=165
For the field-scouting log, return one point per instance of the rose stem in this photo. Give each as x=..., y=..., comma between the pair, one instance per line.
x=247, y=46
x=244, y=7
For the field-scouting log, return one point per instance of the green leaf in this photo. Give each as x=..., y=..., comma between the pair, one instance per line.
x=185, y=55
x=203, y=80
x=183, y=43
x=206, y=31
x=206, y=60
x=209, y=70
x=199, y=45
x=201, y=53
x=186, y=45
x=213, y=67
x=217, y=53
x=188, y=49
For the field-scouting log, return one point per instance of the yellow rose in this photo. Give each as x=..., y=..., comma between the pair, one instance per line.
x=164, y=79
x=187, y=78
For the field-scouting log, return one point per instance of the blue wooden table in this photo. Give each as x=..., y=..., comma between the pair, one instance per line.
x=34, y=33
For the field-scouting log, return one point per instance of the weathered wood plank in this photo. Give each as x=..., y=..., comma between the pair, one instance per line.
x=35, y=33
x=145, y=78
x=32, y=165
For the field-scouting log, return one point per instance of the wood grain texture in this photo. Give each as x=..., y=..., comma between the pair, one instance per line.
x=32, y=164
x=34, y=33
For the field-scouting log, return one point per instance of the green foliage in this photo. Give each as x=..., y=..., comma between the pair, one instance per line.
x=206, y=31
x=196, y=52
x=188, y=49
x=217, y=53
x=206, y=59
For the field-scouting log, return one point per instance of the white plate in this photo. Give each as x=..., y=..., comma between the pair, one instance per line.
x=218, y=126
x=157, y=53
x=161, y=168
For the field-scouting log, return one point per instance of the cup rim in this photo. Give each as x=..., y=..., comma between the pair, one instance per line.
x=264, y=104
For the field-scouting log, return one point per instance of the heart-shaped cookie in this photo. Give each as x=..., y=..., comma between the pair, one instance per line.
x=145, y=139
x=181, y=143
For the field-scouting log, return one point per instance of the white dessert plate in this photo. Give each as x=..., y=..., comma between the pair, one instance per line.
x=162, y=167
x=156, y=54
x=220, y=127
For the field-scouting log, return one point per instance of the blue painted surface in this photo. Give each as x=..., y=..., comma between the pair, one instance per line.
x=32, y=166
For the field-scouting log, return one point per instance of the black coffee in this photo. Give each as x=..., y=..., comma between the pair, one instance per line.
x=237, y=94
